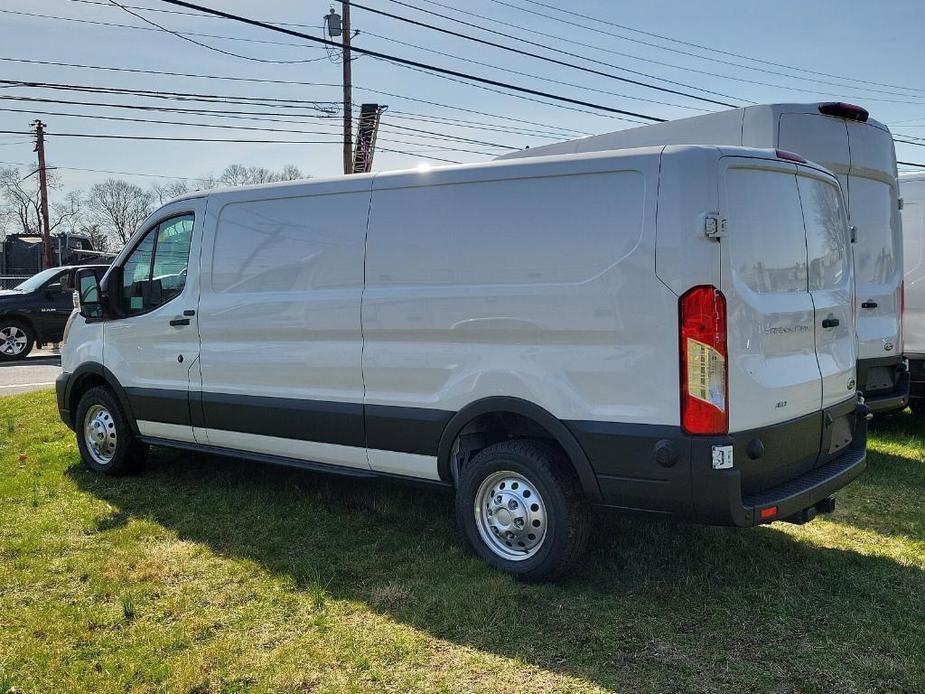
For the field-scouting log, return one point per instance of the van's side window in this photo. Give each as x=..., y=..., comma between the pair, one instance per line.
x=155, y=272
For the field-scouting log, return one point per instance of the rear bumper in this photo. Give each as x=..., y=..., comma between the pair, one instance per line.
x=885, y=383
x=792, y=466
x=916, y=376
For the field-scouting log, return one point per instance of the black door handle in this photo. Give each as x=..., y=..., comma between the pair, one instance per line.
x=189, y=312
x=830, y=322
x=869, y=304
x=179, y=321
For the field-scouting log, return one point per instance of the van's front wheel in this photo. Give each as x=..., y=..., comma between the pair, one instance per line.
x=522, y=510
x=104, y=437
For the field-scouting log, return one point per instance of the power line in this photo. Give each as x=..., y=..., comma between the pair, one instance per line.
x=710, y=49
x=205, y=45
x=273, y=102
x=115, y=25
x=107, y=171
x=674, y=66
x=555, y=61
x=425, y=133
x=107, y=136
x=911, y=163
x=532, y=76
x=394, y=95
x=412, y=63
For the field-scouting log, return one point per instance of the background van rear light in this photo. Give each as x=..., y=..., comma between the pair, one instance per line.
x=789, y=156
x=704, y=371
x=843, y=110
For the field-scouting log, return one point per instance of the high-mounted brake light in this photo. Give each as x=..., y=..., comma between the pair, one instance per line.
x=704, y=390
x=843, y=110
x=789, y=156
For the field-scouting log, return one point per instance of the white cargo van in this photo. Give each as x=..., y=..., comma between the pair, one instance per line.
x=665, y=329
x=912, y=190
x=859, y=151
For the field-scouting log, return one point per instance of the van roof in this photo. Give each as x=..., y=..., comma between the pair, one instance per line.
x=357, y=180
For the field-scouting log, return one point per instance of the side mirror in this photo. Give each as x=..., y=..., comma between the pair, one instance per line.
x=53, y=289
x=88, y=295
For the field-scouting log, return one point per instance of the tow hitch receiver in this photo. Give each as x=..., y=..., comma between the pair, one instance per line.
x=807, y=514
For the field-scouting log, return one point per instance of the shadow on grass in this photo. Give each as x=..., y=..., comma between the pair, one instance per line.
x=653, y=605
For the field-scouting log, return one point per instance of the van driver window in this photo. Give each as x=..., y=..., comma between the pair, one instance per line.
x=155, y=272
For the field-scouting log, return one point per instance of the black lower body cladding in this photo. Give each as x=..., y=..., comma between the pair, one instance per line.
x=791, y=465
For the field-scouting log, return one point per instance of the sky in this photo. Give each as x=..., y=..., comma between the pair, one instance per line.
x=734, y=52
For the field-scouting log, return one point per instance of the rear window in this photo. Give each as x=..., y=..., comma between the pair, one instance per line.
x=826, y=233
x=766, y=238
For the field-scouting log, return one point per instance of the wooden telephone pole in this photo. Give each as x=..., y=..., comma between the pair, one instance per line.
x=43, y=192
x=348, y=88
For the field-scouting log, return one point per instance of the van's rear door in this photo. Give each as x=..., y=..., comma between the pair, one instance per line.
x=831, y=282
x=874, y=212
x=773, y=369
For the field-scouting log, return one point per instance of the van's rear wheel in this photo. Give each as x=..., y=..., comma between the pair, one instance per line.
x=521, y=508
x=104, y=437
x=16, y=340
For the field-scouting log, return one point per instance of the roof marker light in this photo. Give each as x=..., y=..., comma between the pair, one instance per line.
x=789, y=156
x=843, y=110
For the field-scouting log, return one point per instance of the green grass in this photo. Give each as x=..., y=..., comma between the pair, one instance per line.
x=212, y=575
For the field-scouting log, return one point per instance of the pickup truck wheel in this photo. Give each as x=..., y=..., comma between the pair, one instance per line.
x=521, y=509
x=16, y=340
x=104, y=438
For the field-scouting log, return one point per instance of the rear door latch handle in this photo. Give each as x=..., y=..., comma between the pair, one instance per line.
x=179, y=321
x=869, y=304
x=830, y=322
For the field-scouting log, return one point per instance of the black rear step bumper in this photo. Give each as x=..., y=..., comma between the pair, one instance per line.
x=793, y=466
x=721, y=500
x=885, y=382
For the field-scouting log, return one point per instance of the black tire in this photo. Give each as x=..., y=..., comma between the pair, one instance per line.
x=128, y=453
x=17, y=327
x=565, y=514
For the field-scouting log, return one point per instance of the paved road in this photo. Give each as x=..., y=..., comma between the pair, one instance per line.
x=35, y=372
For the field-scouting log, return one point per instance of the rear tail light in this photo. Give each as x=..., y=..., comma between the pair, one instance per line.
x=704, y=391
x=843, y=110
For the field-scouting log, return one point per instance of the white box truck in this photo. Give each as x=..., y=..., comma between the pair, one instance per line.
x=912, y=191
x=860, y=152
x=537, y=335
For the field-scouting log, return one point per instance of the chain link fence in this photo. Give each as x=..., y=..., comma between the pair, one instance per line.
x=10, y=281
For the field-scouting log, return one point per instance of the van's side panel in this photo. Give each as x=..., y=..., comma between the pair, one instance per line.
x=912, y=188
x=533, y=281
x=280, y=322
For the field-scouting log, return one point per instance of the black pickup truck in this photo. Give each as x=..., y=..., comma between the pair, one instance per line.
x=36, y=311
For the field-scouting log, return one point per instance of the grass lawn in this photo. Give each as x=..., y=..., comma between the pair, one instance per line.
x=212, y=575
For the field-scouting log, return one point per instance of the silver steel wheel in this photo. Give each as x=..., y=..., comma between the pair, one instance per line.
x=13, y=340
x=510, y=515
x=100, y=434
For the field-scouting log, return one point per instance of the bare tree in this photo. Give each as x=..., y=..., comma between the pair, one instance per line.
x=20, y=201
x=162, y=192
x=118, y=207
x=99, y=239
x=240, y=175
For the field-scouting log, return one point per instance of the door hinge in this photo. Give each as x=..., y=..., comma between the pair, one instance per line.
x=714, y=226
x=899, y=202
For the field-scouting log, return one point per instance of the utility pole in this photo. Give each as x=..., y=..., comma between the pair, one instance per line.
x=43, y=191
x=348, y=89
